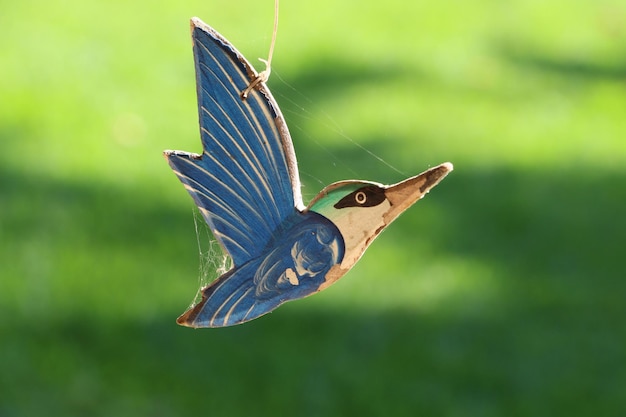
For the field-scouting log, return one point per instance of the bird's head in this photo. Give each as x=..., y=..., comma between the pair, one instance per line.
x=362, y=209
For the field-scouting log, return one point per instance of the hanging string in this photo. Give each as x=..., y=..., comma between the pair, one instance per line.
x=264, y=75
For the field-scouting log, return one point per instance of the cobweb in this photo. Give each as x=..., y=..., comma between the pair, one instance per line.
x=213, y=261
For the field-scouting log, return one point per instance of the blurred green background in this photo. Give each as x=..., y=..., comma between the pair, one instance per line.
x=501, y=293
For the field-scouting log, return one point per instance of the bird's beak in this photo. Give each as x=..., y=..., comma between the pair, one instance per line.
x=406, y=193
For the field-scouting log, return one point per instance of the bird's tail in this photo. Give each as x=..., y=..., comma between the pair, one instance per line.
x=227, y=301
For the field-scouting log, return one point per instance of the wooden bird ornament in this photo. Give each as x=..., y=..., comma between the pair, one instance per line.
x=247, y=188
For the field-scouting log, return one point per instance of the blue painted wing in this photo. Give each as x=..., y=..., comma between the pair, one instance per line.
x=245, y=182
x=294, y=267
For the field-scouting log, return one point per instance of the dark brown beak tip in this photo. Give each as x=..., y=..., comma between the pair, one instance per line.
x=436, y=174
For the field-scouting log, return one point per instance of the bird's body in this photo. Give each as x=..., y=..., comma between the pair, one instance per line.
x=292, y=265
x=247, y=187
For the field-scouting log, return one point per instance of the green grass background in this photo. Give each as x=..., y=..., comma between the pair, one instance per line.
x=500, y=294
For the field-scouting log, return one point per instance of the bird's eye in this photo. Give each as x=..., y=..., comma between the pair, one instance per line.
x=368, y=196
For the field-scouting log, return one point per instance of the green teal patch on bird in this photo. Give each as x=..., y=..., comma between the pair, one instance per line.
x=331, y=196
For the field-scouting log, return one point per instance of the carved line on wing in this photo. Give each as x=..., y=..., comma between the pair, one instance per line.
x=213, y=218
x=222, y=237
x=286, y=147
x=266, y=142
x=211, y=195
x=235, y=127
x=240, y=104
x=246, y=105
x=243, y=189
x=245, y=316
x=239, y=167
x=256, y=126
x=277, y=144
x=217, y=140
x=260, y=218
x=285, y=139
x=262, y=176
x=267, y=267
x=236, y=303
x=226, y=301
x=206, y=193
x=262, y=180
